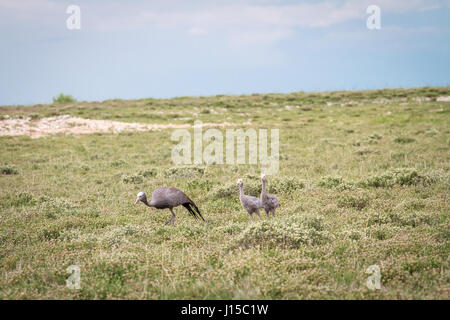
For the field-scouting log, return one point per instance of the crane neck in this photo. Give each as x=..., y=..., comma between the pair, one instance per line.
x=147, y=204
x=241, y=190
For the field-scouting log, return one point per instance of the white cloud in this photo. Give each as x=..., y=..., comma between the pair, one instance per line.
x=196, y=31
x=32, y=9
x=264, y=23
x=430, y=8
x=259, y=36
x=250, y=23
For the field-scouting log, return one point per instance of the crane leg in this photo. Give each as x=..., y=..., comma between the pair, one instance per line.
x=171, y=220
x=173, y=216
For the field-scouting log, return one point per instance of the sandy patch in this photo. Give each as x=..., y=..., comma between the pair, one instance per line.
x=72, y=125
x=443, y=99
x=427, y=99
x=421, y=99
x=436, y=110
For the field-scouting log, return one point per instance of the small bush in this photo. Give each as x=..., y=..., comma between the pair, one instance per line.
x=251, y=188
x=373, y=139
x=438, y=176
x=404, y=140
x=231, y=227
x=18, y=200
x=352, y=234
x=398, y=156
x=54, y=207
x=117, y=163
x=118, y=236
x=222, y=104
x=330, y=182
x=114, y=238
x=184, y=172
x=382, y=232
x=64, y=98
x=135, y=179
x=357, y=201
x=291, y=232
x=8, y=170
x=412, y=219
x=403, y=219
x=284, y=185
x=25, y=198
x=379, y=218
x=70, y=235
x=225, y=191
x=375, y=136
x=403, y=177
x=363, y=151
x=205, y=185
x=148, y=172
x=412, y=205
x=335, y=182
x=275, y=184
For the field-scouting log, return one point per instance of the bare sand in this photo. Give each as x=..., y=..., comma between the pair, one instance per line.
x=66, y=124
x=443, y=99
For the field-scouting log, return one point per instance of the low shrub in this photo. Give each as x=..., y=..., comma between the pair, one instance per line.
x=334, y=183
x=403, y=219
x=284, y=185
x=135, y=179
x=148, y=172
x=231, y=227
x=64, y=98
x=184, y=172
x=382, y=232
x=404, y=140
x=8, y=170
x=230, y=189
x=18, y=200
x=114, y=238
x=357, y=201
x=54, y=207
x=403, y=177
x=352, y=234
x=117, y=163
x=291, y=232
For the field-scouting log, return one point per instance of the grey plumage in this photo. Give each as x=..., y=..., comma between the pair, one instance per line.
x=168, y=198
x=268, y=201
x=249, y=203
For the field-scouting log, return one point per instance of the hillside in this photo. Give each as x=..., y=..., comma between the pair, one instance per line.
x=363, y=180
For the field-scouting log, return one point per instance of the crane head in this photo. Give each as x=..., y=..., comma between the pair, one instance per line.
x=141, y=196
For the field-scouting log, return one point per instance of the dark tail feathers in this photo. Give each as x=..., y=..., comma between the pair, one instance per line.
x=193, y=211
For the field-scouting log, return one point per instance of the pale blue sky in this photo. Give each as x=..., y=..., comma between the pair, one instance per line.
x=138, y=49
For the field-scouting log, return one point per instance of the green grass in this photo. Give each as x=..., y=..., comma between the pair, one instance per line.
x=364, y=179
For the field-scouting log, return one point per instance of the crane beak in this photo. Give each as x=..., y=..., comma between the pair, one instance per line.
x=137, y=200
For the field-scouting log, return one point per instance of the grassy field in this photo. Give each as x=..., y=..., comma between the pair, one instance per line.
x=364, y=180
